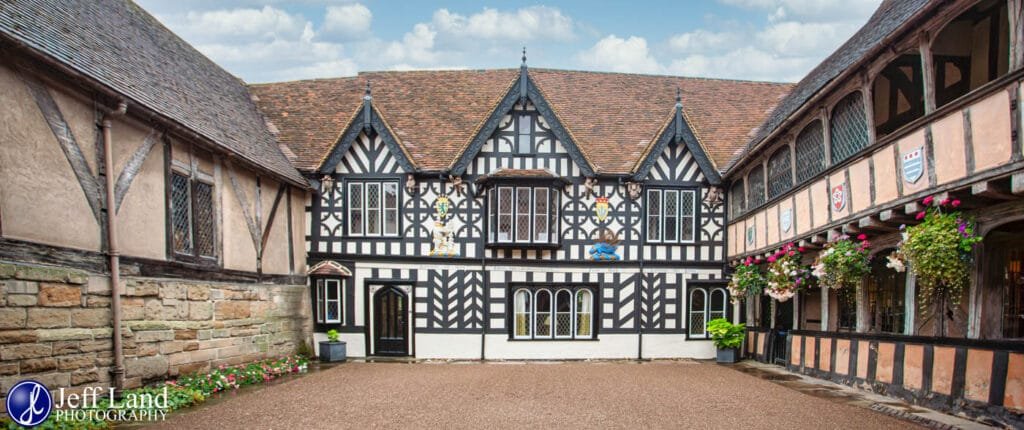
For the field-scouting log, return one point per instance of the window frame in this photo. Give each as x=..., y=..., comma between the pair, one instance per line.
x=679, y=216
x=496, y=211
x=322, y=299
x=363, y=185
x=708, y=290
x=532, y=292
x=192, y=178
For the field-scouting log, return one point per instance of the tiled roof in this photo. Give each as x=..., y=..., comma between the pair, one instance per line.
x=124, y=48
x=613, y=117
x=890, y=16
x=432, y=114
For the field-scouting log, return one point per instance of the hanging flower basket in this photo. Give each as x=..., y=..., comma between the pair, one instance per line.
x=786, y=275
x=843, y=262
x=939, y=251
x=747, y=280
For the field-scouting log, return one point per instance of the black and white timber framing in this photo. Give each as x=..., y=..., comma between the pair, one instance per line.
x=463, y=301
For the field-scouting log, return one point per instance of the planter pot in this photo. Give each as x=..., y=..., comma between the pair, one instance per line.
x=332, y=351
x=729, y=355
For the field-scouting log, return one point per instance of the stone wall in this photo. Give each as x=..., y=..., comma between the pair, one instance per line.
x=55, y=325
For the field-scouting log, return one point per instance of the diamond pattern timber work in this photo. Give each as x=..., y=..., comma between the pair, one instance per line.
x=849, y=127
x=810, y=152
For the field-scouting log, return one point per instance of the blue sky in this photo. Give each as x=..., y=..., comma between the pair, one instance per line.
x=274, y=40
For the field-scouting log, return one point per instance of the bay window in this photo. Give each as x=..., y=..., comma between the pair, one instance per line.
x=522, y=215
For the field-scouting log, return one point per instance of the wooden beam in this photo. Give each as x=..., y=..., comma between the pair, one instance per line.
x=993, y=190
x=913, y=208
x=133, y=166
x=819, y=239
x=875, y=224
x=834, y=234
x=808, y=244
x=1017, y=184
x=893, y=217
x=851, y=228
x=270, y=219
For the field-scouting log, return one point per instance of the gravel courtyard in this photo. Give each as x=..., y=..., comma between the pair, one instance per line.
x=660, y=394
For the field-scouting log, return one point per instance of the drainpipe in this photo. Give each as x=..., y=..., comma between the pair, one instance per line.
x=112, y=249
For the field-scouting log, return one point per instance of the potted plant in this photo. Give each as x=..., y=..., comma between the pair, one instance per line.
x=728, y=338
x=332, y=349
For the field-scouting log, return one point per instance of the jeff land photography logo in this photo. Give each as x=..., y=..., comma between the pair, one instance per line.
x=29, y=403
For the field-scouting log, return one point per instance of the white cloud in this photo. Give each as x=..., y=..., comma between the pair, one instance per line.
x=416, y=47
x=238, y=24
x=526, y=24
x=620, y=55
x=349, y=20
x=701, y=41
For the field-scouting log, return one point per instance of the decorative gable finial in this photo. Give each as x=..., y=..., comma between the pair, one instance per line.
x=523, y=80
x=679, y=115
x=367, y=107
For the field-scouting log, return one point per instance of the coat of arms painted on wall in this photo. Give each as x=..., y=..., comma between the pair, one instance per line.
x=786, y=220
x=839, y=197
x=913, y=165
x=443, y=236
x=601, y=209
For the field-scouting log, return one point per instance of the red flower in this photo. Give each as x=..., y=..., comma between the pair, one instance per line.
x=920, y=215
x=944, y=202
x=862, y=236
x=771, y=259
x=801, y=249
x=928, y=200
x=956, y=203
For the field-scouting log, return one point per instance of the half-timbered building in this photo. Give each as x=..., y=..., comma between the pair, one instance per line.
x=521, y=213
x=925, y=100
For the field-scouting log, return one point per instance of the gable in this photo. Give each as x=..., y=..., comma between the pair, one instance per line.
x=523, y=98
x=369, y=154
x=524, y=139
x=675, y=163
x=678, y=134
x=367, y=121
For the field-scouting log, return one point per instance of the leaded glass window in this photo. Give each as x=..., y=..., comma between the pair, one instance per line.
x=671, y=215
x=193, y=226
x=737, y=197
x=524, y=140
x=849, y=127
x=755, y=187
x=329, y=301
x=810, y=152
x=705, y=305
x=181, y=214
x=526, y=215
x=780, y=173
x=544, y=312
x=373, y=208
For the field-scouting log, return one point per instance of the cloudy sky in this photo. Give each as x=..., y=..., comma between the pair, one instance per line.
x=276, y=40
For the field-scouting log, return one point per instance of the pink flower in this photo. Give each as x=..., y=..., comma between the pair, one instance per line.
x=771, y=259
x=944, y=202
x=801, y=249
x=956, y=203
x=862, y=236
x=920, y=215
x=928, y=200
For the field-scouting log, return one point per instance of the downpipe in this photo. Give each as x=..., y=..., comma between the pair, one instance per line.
x=113, y=251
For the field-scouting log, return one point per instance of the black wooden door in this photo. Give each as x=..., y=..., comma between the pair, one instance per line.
x=390, y=327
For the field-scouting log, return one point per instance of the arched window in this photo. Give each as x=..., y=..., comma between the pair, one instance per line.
x=584, y=304
x=755, y=187
x=886, y=296
x=971, y=51
x=810, y=151
x=719, y=301
x=542, y=322
x=522, y=314
x=736, y=197
x=780, y=172
x=848, y=127
x=898, y=94
x=1004, y=278
x=563, y=313
x=698, y=306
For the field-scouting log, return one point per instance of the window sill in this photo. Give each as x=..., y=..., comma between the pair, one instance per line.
x=553, y=340
x=514, y=245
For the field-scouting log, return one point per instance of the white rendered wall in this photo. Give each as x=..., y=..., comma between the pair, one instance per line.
x=607, y=346
x=676, y=346
x=448, y=346
x=355, y=344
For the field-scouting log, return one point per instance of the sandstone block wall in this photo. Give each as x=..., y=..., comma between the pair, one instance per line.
x=55, y=325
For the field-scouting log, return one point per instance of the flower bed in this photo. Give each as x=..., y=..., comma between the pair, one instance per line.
x=188, y=390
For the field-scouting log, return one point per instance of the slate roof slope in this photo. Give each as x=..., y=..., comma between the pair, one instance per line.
x=121, y=46
x=890, y=16
x=613, y=117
